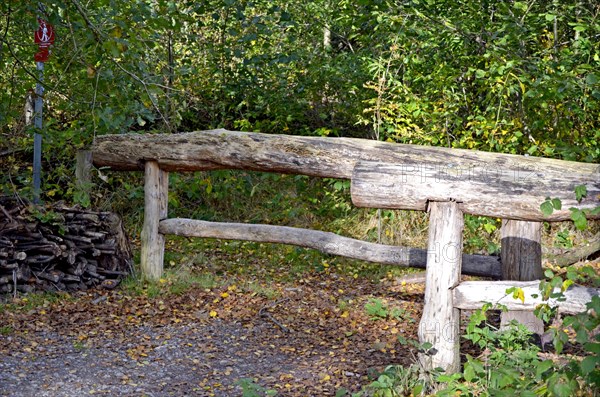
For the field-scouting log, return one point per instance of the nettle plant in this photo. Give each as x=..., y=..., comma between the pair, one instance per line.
x=510, y=362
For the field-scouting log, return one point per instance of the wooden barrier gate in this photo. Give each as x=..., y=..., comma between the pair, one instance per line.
x=445, y=182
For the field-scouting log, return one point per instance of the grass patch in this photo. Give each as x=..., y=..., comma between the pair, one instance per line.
x=173, y=282
x=6, y=330
x=261, y=290
x=34, y=300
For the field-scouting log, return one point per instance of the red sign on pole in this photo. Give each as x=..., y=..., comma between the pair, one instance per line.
x=44, y=38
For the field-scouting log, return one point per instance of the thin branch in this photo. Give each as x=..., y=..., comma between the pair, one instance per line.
x=97, y=34
x=94, y=103
x=263, y=313
x=89, y=23
x=46, y=86
x=145, y=85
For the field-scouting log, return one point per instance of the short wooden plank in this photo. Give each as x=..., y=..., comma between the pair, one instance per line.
x=440, y=321
x=337, y=157
x=329, y=243
x=471, y=295
x=155, y=208
x=509, y=191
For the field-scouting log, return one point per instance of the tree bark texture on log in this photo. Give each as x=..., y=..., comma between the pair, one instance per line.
x=327, y=242
x=337, y=157
x=440, y=321
x=509, y=191
x=471, y=295
x=60, y=248
x=521, y=253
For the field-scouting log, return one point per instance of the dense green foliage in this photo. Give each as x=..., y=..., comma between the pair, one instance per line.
x=510, y=76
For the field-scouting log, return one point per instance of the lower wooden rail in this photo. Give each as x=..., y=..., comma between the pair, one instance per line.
x=326, y=242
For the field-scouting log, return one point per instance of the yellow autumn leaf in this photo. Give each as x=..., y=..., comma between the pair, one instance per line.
x=518, y=293
x=224, y=295
x=213, y=313
x=345, y=314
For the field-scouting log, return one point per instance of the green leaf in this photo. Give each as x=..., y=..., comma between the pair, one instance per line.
x=592, y=347
x=578, y=218
x=543, y=367
x=489, y=227
x=469, y=373
x=588, y=364
x=591, y=78
x=580, y=192
x=550, y=17
x=556, y=204
x=547, y=208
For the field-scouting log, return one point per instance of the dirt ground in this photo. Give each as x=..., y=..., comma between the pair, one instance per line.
x=312, y=339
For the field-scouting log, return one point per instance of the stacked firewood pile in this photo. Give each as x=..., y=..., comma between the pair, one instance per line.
x=59, y=248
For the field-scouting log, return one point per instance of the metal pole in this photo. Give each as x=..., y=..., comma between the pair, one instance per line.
x=37, y=137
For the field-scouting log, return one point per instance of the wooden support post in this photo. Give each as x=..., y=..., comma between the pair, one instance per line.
x=83, y=176
x=156, y=190
x=521, y=253
x=440, y=322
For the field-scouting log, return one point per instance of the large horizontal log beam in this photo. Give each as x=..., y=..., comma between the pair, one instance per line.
x=337, y=157
x=329, y=243
x=493, y=192
x=471, y=295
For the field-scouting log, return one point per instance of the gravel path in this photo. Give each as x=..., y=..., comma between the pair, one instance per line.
x=136, y=346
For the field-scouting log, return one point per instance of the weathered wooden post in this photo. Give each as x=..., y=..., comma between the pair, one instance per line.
x=156, y=190
x=521, y=253
x=440, y=321
x=83, y=177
